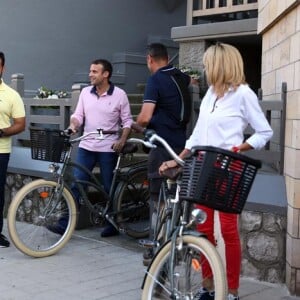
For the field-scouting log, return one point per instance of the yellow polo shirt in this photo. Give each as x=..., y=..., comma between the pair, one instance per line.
x=11, y=106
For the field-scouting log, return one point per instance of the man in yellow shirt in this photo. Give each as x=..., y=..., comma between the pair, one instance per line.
x=12, y=121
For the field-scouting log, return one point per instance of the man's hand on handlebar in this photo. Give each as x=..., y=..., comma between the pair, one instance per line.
x=118, y=146
x=69, y=131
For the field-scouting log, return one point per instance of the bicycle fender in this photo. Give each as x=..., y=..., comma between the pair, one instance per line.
x=50, y=178
x=136, y=169
x=127, y=174
x=188, y=232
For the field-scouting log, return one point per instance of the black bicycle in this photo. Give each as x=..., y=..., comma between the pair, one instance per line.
x=43, y=206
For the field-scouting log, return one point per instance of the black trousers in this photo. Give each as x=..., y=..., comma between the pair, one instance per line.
x=4, y=158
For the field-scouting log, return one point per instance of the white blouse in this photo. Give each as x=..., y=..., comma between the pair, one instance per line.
x=221, y=123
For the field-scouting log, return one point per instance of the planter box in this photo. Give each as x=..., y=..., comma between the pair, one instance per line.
x=45, y=113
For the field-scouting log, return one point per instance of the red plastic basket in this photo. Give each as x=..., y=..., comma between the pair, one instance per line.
x=218, y=178
x=48, y=144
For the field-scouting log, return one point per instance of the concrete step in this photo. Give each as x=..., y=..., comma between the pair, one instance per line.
x=136, y=101
x=135, y=98
x=135, y=108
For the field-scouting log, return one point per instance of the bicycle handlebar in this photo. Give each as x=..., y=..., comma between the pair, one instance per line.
x=100, y=132
x=150, y=138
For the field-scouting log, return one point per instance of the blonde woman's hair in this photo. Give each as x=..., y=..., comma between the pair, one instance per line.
x=224, y=67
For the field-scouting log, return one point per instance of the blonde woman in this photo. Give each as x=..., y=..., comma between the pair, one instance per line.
x=226, y=110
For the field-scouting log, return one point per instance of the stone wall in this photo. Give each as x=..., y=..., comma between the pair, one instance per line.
x=191, y=55
x=262, y=237
x=263, y=245
x=13, y=183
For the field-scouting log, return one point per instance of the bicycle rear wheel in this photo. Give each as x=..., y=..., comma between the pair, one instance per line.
x=187, y=275
x=131, y=204
x=40, y=222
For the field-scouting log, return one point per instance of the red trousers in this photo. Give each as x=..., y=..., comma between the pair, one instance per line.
x=230, y=234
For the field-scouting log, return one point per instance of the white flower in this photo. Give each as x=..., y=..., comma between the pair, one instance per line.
x=53, y=96
x=45, y=93
x=195, y=74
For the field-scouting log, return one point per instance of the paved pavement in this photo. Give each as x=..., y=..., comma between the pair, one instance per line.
x=90, y=268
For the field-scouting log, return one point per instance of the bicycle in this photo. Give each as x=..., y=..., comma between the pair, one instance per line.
x=163, y=219
x=220, y=179
x=40, y=207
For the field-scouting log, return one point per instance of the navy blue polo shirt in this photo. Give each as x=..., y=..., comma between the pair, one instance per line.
x=163, y=92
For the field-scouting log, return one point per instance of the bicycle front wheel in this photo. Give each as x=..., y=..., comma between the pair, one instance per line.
x=40, y=222
x=132, y=204
x=188, y=258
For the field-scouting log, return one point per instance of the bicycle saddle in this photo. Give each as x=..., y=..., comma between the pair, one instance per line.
x=129, y=148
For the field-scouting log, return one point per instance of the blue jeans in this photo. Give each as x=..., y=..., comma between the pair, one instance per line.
x=106, y=161
x=4, y=158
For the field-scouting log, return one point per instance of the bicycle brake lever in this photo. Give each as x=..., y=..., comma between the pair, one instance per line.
x=149, y=145
x=148, y=133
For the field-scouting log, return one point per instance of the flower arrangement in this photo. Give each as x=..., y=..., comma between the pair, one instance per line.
x=198, y=76
x=45, y=93
x=195, y=74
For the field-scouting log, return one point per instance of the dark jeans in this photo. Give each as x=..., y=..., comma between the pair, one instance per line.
x=4, y=158
x=156, y=157
x=106, y=161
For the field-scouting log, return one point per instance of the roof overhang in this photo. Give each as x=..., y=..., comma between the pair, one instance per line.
x=206, y=31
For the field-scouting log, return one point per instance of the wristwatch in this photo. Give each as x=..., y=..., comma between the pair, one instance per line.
x=1, y=133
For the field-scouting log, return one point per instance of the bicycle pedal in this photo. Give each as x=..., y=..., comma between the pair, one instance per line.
x=147, y=243
x=122, y=230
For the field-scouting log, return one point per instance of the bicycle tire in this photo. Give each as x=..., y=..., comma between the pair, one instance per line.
x=162, y=226
x=32, y=217
x=131, y=204
x=187, y=271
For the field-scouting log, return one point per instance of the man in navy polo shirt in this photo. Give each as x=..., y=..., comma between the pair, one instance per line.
x=163, y=111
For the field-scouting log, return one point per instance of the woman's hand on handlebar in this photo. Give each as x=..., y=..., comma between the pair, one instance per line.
x=167, y=165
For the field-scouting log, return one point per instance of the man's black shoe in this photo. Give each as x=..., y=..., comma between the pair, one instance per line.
x=56, y=229
x=109, y=230
x=4, y=243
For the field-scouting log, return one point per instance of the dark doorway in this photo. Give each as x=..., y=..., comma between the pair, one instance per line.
x=250, y=48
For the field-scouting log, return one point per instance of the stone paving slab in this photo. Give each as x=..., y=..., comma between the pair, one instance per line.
x=93, y=268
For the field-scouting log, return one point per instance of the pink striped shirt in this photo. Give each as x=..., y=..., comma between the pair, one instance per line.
x=109, y=111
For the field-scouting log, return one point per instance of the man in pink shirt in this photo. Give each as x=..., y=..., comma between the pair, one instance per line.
x=101, y=105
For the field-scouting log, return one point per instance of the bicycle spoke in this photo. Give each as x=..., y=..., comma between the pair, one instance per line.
x=39, y=221
x=132, y=207
x=181, y=274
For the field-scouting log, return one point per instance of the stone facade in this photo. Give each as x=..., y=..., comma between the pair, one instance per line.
x=191, y=55
x=279, y=25
x=13, y=183
x=263, y=244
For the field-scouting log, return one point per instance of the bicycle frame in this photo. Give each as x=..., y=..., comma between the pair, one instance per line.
x=179, y=226
x=119, y=174
x=43, y=213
